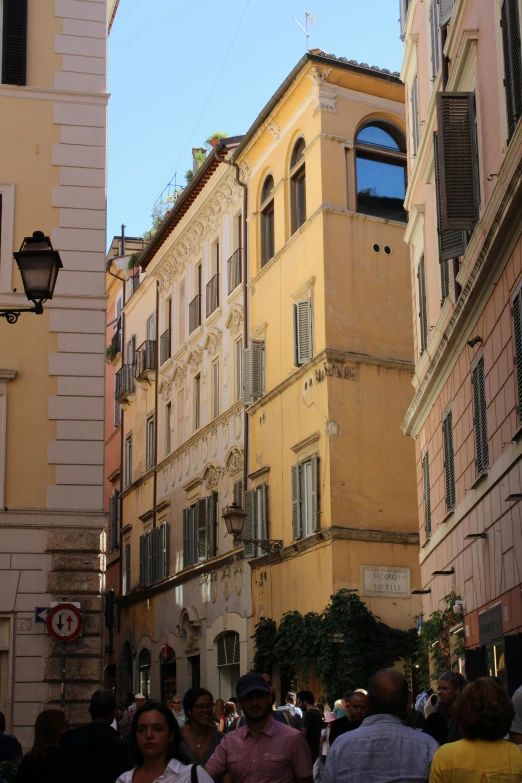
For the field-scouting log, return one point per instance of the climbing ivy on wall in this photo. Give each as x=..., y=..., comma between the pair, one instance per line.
x=343, y=646
x=437, y=648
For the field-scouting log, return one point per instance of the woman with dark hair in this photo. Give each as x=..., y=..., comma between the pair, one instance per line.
x=40, y=765
x=441, y=723
x=155, y=739
x=228, y=717
x=484, y=714
x=199, y=736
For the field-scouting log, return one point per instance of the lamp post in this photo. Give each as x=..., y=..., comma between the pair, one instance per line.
x=39, y=264
x=234, y=517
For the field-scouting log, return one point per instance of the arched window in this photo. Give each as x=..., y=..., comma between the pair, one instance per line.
x=228, y=660
x=267, y=220
x=144, y=662
x=380, y=160
x=298, y=185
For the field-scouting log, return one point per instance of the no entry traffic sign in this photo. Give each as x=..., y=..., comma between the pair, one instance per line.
x=64, y=622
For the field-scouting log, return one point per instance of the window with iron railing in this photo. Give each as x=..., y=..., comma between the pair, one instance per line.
x=234, y=270
x=145, y=358
x=165, y=340
x=124, y=382
x=195, y=313
x=212, y=294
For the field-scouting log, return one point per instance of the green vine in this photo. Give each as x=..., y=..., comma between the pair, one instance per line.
x=343, y=646
x=437, y=647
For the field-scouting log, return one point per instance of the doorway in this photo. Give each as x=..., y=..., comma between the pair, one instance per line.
x=195, y=671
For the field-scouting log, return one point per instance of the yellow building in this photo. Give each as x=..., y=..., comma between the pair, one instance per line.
x=329, y=362
x=53, y=118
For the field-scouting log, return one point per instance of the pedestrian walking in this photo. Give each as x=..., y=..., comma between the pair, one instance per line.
x=264, y=749
x=155, y=740
x=338, y=707
x=95, y=752
x=291, y=706
x=282, y=716
x=312, y=723
x=128, y=715
x=178, y=711
x=382, y=749
x=484, y=715
x=228, y=718
x=10, y=748
x=199, y=735
x=41, y=764
x=324, y=746
x=357, y=708
x=441, y=724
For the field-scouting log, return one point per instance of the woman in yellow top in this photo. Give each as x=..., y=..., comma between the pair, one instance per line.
x=484, y=714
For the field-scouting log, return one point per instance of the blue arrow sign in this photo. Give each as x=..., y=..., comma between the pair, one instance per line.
x=40, y=614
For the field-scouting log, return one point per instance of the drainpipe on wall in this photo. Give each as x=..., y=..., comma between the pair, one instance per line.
x=156, y=398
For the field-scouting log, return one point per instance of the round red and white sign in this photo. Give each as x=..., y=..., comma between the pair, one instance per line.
x=64, y=622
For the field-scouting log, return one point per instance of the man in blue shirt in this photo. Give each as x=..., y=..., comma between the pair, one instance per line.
x=382, y=749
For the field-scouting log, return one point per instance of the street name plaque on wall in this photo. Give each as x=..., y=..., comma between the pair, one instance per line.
x=385, y=580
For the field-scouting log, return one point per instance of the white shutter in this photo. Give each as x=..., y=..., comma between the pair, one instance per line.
x=303, y=331
x=247, y=376
x=258, y=348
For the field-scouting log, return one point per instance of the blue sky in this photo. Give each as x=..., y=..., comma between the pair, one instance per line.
x=165, y=57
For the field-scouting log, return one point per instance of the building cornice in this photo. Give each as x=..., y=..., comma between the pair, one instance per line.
x=50, y=94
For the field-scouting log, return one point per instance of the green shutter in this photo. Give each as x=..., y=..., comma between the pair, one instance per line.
x=512, y=63
x=480, y=416
x=201, y=530
x=296, y=502
x=427, y=494
x=517, y=327
x=452, y=244
x=449, y=460
x=186, y=538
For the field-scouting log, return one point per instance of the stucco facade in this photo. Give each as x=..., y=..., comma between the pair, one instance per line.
x=465, y=412
x=325, y=443
x=53, y=122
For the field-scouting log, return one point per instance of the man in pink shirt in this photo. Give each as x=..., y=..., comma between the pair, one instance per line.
x=262, y=751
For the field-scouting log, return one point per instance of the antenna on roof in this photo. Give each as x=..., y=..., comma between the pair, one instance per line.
x=308, y=18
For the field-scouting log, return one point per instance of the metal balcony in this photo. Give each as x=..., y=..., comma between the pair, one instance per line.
x=165, y=346
x=234, y=270
x=195, y=313
x=145, y=360
x=212, y=294
x=124, y=383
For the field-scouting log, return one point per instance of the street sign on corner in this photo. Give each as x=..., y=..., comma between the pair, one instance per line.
x=40, y=614
x=65, y=622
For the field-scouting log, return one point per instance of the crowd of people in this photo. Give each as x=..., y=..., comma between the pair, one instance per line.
x=467, y=733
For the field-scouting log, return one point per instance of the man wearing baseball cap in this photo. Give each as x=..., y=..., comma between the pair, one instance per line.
x=263, y=749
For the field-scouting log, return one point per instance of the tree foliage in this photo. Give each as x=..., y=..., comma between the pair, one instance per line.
x=343, y=646
x=436, y=647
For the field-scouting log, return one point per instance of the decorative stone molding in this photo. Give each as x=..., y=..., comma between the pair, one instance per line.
x=225, y=580
x=238, y=575
x=213, y=586
x=319, y=76
x=179, y=375
x=165, y=389
x=225, y=372
x=204, y=587
x=225, y=431
x=306, y=447
x=347, y=372
x=274, y=129
x=235, y=320
x=213, y=341
x=191, y=239
x=259, y=332
x=238, y=424
x=245, y=171
x=305, y=291
x=212, y=475
x=234, y=462
x=195, y=358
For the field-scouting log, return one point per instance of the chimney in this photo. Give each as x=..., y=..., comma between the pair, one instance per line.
x=195, y=163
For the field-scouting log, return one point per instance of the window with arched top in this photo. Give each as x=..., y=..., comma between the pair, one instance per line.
x=380, y=163
x=297, y=186
x=144, y=664
x=267, y=220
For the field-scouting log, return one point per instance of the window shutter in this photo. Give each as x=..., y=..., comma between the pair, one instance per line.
x=480, y=416
x=143, y=561
x=414, y=102
x=449, y=460
x=427, y=494
x=14, y=43
x=110, y=542
x=248, y=528
x=118, y=520
x=459, y=182
x=117, y=414
x=262, y=523
x=444, y=280
x=257, y=368
x=446, y=11
x=452, y=244
x=303, y=331
x=315, y=493
x=151, y=541
x=193, y=534
x=423, y=306
x=165, y=544
x=201, y=530
x=127, y=568
x=212, y=522
x=186, y=552
x=517, y=326
x=435, y=40
x=247, y=376
x=512, y=63
x=403, y=4
x=238, y=492
x=296, y=502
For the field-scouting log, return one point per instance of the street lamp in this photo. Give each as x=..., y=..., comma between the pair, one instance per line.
x=234, y=517
x=38, y=263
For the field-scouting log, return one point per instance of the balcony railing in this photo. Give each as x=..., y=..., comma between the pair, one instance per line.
x=124, y=383
x=145, y=359
x=234, y=270
x=195, y=313
x=165, y=346
x=212, y=294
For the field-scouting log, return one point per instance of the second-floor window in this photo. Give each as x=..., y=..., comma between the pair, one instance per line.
x=298, y=185
x=200, y=530
x=13, y=48
x=305, y=500
x=380, y=163
x=180, y=408
x=302, y=332
x=114, y=521
x=256, y=520
x=197, y=402
x=168, y=430
x=215, y=389
x=239, y=368
x=267, y=220
x=449, y=460
x=150, y=449
x=253, y=371
x=195, y=305
x=154, y=555
x=512, y=63
x=480, y=416
x=212, y=302
x=128, y=460
x=452, y=244
x=182, y=315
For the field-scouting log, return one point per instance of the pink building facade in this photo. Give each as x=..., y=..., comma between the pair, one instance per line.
x=463, y=75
